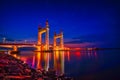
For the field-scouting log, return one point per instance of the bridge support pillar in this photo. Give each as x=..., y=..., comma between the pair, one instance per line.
x=61, y=46
x=47, y=38
x=40, y=32
x=54, y=42
x=15, y=48
x=38, y=48
x=61, y=41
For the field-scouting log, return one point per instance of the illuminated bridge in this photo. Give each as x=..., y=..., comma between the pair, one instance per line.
x=38, y=45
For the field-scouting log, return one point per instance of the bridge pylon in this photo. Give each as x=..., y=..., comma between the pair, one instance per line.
x=15, y=48
x=40, y=32
x=61, y=46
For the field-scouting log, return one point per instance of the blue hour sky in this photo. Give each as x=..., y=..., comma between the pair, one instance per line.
x=87, y=23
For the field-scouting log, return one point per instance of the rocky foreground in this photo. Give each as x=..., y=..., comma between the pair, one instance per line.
x=15, y=69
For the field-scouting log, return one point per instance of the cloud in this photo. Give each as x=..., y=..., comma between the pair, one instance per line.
x=79, y=43
x=97, y=40
x=93, y=37
x=74, y=41
x=82, y=45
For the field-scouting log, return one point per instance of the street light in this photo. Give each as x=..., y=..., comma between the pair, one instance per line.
x=4, y=40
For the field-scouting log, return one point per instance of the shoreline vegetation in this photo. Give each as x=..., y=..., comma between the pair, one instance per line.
x=15, y=69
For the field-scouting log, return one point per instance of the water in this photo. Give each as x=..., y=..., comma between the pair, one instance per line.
x=82, y=65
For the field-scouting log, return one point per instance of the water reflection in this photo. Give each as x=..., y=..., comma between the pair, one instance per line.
x=40, y=60
x=45, y=59
x=92, y=53
x=68, y=55
x=59, y=60
x=16, y=56
x=33, y=61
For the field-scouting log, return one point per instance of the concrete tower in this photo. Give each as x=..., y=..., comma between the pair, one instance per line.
x=56, y=36
x=47, y=35
x=40, y=32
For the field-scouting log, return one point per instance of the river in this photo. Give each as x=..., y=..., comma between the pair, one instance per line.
x=81, y=65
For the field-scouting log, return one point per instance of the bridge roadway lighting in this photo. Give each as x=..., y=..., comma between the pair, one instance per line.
x=39, y=46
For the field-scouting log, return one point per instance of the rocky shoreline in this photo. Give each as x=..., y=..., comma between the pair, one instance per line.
x=15, y=69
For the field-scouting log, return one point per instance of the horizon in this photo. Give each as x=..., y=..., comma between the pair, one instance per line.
x=84, y=23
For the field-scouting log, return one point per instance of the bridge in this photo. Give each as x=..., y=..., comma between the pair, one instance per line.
x=38, y=44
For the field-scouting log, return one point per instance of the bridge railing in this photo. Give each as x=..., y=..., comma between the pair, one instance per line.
x=18, y=42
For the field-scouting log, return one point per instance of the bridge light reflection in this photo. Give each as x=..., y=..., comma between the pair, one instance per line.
x=33, y=61
x=38, y=60
x=59, y=61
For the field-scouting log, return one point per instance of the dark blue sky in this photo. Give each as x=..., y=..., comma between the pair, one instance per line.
x=88, y=23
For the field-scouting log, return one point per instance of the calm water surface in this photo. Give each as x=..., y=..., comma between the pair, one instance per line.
x=82, y=65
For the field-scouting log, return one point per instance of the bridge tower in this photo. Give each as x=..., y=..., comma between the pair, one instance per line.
x=56, y=36
x=40, y=32
x=47, y=35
